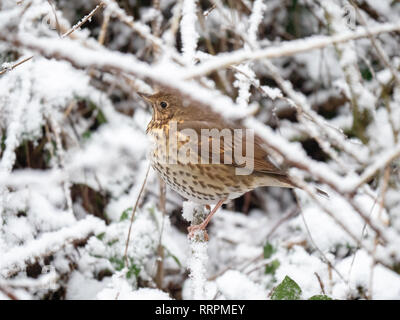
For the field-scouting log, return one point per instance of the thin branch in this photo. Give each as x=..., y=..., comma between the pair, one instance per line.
x=160, y=248
x=103, y=30
x=141, y=29
x=329, y=211
x=289, y=48
x=385, y=185
x=133, y=216
x=60, y=155
x=8, y=293
x=83, y=20
x=381, y=53
x=55, y=16
x=48, y=243
x=15, y=65
x=321, y=284
x=382, y=161
x=325, y=259
x=209, y=10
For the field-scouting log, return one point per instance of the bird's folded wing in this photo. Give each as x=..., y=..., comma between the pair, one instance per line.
x=224, y=140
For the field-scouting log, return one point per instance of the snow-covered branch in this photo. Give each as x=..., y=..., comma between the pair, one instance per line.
x=288, y=48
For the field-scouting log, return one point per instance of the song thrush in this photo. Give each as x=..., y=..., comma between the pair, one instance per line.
x=199, y=179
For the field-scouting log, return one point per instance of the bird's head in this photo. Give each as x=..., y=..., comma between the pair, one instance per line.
x=166, y=106
x=171, y=106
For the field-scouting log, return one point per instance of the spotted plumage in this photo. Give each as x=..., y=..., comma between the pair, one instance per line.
x=196, y=181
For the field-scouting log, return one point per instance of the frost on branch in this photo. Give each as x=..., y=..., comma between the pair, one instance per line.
x=317, y=80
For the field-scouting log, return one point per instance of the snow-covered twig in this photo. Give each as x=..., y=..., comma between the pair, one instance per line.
x=60, y=155
x=10, y=67
x=198, y=249
x=49, y=243
x=14, y=130
x=380, y=163
x=306, y=113
x=296, y=157
x=143, y=30
x=255, y=19
x=82, y=21
x=375, y=43
x=81, y=56
x=288, y=48
x=188, y=30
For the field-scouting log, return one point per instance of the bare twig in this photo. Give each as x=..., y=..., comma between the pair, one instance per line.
x=83, y=21
x=60, y=155
x=209, y=10
x=160, y=248
x=104, y=25
x=380, y=163
x=289, y=48
x=385, y=185
x=55, y=16
x=321, y=284
x=8, y=293
x=15, y=65
x=324, y=258
x=133, y=216
x=381, y=53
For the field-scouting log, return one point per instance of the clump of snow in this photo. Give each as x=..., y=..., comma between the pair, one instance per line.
x=120, y=289
x=197, y=265
x=83, y=288
x=236, y=286
x=272, y=93
x=7, y=66
x=385, y=283
x=188, y=210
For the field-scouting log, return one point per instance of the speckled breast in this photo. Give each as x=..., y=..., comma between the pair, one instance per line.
x=201, y=183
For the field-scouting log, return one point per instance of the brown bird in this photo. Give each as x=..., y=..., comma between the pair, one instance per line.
x=201, y=173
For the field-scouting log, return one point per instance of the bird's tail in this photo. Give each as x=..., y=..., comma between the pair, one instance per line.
x=287, y=182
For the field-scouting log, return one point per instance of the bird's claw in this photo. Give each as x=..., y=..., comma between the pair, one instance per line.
x=198, y=227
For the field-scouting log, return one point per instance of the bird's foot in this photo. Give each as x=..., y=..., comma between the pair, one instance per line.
x=198, y=227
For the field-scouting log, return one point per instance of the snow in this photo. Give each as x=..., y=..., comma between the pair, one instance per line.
x=286, y=49
x=188, y=30
x=51, y=241
x=124, y=292
x=386, y=283
x=197, y=265
x=7, y=65
x=188, y=210
x=236, y=286
x=74, y=150
x=243, y=84
x=255, y=19
x=82, y=288
x=272, y=93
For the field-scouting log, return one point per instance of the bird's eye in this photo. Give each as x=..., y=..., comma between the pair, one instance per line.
x=163, y=104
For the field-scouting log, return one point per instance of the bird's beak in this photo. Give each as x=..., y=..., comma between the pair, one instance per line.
x=145, y=96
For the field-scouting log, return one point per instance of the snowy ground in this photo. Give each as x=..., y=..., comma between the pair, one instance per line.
x=308, y=76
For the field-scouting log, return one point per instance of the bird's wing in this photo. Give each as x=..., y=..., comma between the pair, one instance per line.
x=261, y=159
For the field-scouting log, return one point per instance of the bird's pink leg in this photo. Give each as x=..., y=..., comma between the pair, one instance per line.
x=204, y=224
